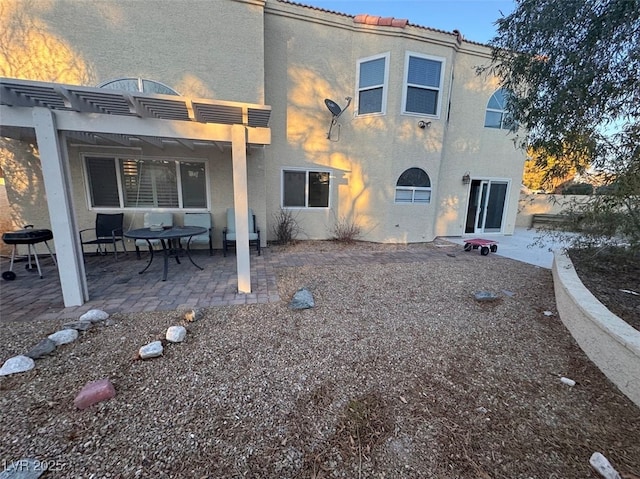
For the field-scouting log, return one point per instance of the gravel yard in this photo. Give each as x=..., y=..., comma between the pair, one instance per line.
x=398, y=372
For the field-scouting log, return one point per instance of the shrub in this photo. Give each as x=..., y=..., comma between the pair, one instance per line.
x=345, y=230
x=285, y=227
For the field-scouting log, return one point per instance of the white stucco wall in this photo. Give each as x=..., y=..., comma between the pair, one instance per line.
x=311, y=55
x=204, y=49
x=291, y=57
x=211, y=49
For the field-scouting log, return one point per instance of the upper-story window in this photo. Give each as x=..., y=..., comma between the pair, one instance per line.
x=423, y=78
x=373, y=75
x=139, y=84
x=413, y=186
x=496, y=116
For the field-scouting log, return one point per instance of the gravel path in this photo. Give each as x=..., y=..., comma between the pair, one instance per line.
x=398, y=372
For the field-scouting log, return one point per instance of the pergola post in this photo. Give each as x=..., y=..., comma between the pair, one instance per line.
x=241, y=206
x=57, y=184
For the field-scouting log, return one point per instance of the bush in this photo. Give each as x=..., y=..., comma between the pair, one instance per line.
x=345, y=230
x=285, y=227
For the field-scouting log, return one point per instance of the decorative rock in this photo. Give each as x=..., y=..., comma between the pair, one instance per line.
x=567, y=381
x=17, y=364
x=176, y=334
x=151, y=350
x=64, y=336
x=193, y=315
x=94, y=392
x=23, y=469
x=303, y=299
x=79, y=325
x=486, y=296
x=43, y=348
x=603, y=466
x=94, y=315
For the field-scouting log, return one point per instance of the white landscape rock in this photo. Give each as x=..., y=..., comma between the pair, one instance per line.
x=603, y=466
x=151, y=350
x=94, y=315
x=17, y=364
x=176, y=334
x=64, y=336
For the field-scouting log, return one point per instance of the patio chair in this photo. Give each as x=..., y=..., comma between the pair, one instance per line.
x=204, y=220
x=164, y=219
x=108, y=230
x=229, y=232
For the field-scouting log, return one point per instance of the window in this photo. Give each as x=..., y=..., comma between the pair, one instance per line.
x=496, y=116
x=372, y=81
x=138, y=84
x=305, y=189
x=423, y=84
x=413, y=186
x=146, y=183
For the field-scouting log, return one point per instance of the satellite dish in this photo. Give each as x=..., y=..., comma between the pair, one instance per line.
x=336, y=111
x=333, y=107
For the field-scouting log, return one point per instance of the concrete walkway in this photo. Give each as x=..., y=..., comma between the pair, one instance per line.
x=524, y=245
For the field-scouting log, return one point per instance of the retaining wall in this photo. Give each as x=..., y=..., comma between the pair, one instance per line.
x=611, y=343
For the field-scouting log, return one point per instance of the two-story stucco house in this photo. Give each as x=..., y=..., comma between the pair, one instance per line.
x=203, y=105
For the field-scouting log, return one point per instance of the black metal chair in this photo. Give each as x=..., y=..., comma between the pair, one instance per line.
x=108, y=230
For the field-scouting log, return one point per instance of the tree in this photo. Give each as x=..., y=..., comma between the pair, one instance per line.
x=546, y=172
x=571, y=68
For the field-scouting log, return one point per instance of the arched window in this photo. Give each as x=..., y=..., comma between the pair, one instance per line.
x=413, y=186
x=496, y=116
x=139, y=84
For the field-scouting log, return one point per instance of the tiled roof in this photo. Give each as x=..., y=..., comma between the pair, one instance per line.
x=381, y=21
x=367, y=19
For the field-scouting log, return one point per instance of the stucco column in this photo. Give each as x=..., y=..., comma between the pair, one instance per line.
x=241, y=205
x=57, y=183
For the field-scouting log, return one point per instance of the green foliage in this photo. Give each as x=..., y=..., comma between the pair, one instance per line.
x=543, y=171
x=572, y=70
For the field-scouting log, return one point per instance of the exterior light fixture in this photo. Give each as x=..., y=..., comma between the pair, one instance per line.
x=466, y=178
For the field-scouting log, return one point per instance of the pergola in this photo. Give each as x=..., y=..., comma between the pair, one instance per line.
x=51, y=113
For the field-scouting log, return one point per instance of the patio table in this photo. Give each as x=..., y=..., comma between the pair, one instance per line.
x=167, y=236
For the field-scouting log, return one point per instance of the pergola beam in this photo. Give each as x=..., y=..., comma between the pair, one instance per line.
x=53, y=112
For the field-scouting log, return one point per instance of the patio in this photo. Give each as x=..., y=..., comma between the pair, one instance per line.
x=116, y=286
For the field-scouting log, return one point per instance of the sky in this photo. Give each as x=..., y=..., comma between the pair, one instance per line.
x=473, y=18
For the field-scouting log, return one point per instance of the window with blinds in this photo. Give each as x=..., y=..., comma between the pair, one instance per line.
x=423, y=84
x=146, y=183
x=372, y=84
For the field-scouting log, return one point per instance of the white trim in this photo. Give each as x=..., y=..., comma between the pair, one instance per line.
x=405, y=84
x=385, y=84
